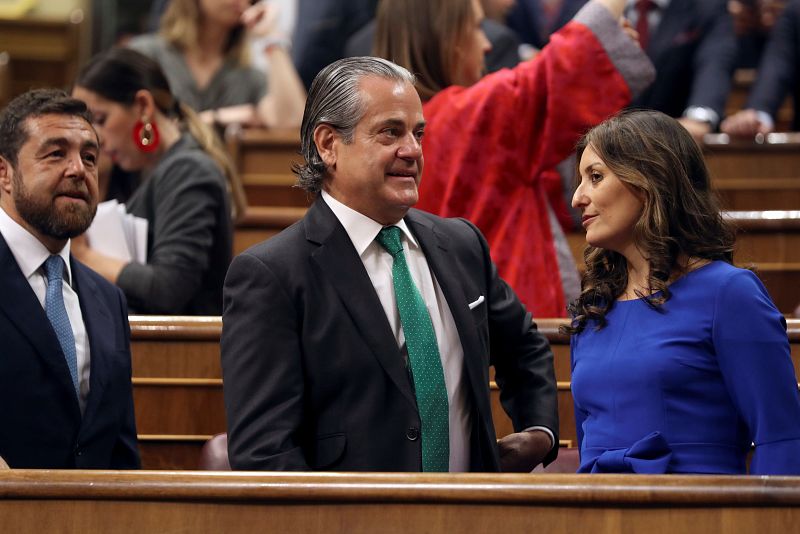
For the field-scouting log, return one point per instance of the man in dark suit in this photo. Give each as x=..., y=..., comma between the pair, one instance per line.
x=778, y=76
x=693, y=47
x=360, y=338
x=65, y=363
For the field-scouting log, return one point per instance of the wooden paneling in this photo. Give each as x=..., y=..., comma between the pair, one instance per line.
x=186, y=410
x=264, y=159
x=262, y=222
x=42, y=51
x=351, y=503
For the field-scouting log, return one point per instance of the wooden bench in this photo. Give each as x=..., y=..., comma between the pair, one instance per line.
x=262, y=222
x=178, y=386
x=32, y=502
x=264, y=160
x=755, y=175
x=749, y=175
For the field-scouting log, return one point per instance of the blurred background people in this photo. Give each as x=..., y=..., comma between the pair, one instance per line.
x=777, y=77
x=680, y=361
x=183, y=194
x=202, y=46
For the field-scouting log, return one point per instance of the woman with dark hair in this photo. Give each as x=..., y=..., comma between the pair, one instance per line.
x=680, y=361
x=489, y=139
x=184, y=192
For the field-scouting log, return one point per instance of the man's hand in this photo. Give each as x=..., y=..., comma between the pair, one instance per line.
x=744, y=123
x=522, y=451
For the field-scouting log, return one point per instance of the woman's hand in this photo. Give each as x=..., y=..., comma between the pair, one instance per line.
x=261, y=20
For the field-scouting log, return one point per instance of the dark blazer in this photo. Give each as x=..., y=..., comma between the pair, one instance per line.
x=313, y=375
x=322, y=29
x=778, y=73
x=694, y=52
x=526, y=19
x=40, y=423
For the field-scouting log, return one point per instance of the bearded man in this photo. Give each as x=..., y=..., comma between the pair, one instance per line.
x=65, y=366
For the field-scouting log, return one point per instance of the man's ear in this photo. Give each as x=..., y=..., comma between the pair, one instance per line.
x=6, y=176
x=327, y=140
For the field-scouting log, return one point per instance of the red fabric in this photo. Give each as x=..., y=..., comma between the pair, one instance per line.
x=486, y=147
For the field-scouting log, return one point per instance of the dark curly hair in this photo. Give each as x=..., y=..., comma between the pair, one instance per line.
x=657, y=157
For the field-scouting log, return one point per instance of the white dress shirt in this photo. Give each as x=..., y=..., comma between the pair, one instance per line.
x=362, y=232
x=30, y=255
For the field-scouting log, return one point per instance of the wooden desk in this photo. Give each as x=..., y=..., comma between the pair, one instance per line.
x=352, y=503
x=177, y=383
x=752, y=175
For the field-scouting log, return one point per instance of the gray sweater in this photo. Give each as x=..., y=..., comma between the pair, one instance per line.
x=189, y=238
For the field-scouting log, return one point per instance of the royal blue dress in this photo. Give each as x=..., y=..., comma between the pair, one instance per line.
x=688, y=388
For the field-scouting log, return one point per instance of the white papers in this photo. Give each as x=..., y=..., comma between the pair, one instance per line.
x=118, y=234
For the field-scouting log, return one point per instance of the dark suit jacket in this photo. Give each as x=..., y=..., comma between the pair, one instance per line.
x=313, y=375
x=323, y=27
x=526, y=19
x=694, y=52
x=40, y=423
x=780, y=66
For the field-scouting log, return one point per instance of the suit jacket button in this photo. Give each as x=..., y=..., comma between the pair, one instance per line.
x=412, y=434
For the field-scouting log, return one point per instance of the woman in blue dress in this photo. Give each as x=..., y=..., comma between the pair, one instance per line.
x=680, y=361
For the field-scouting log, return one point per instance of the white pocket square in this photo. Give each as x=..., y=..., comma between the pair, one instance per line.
x=472, y=305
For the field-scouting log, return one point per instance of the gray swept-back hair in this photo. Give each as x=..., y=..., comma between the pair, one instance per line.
x=335, y=99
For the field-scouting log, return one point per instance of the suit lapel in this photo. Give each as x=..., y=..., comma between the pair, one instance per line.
x=98, y=323
x=22, y=307
x=338, y=261
x=435, y=246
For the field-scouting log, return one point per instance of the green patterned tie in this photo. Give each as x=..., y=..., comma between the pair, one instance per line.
x=423, y=353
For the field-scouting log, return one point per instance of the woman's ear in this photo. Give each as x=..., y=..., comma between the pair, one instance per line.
x=144, y=104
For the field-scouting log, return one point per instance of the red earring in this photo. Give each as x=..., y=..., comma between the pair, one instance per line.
x=145, y=135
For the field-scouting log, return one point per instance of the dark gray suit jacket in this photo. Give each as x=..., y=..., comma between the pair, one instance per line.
x=313, y=375
x=40, y=422
x=779, y=70
x=694, y=52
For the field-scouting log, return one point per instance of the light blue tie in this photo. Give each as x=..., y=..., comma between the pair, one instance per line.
x=57, y=313
x=423, y=353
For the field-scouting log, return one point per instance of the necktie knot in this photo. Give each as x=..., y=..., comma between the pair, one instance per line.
x=54, y=268
x=645, y=6
x=389, y=238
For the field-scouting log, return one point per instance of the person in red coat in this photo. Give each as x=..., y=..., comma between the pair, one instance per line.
x=490, y=138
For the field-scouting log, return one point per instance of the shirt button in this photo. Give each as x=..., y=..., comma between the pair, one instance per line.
x=412, y=434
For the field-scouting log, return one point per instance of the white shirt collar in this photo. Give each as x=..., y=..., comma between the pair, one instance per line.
x=28, y=251
x=361, y=229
